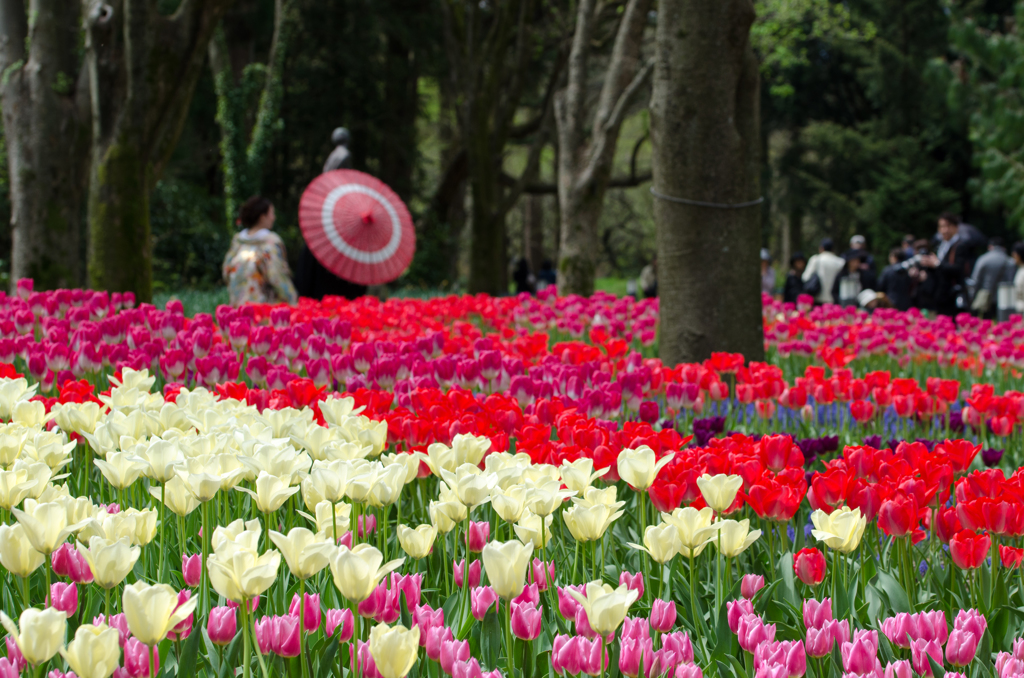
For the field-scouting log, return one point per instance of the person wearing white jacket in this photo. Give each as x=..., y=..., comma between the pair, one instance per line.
x=826, y=264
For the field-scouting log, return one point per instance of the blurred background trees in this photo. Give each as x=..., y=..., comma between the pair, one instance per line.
x=874, y=116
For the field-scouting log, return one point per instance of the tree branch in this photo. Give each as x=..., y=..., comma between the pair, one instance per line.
x=534, y=188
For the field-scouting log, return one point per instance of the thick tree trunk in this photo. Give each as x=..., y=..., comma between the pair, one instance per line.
x=533, y=231
x=704, y=125
x=585, y=159
x=46, y=127
x=143, y=68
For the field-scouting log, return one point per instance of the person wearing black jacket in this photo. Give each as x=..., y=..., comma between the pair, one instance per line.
x=950, y=267
x=856, y=269
x=895, y=282
x=794, y=286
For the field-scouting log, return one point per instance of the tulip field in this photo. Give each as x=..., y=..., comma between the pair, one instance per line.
x=479, y=487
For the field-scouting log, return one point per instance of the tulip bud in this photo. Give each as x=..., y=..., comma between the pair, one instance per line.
x=285, y=635
x=192, y=569
x=343, y=619
x=526, y=620
x=663, y=615
x=64, y=597
x=222, y=625
x=481, y=600
x=635, y=582
x=751, y=584
x=479, y=533
x=311, y=612
x=459, y=569
x=809, y=565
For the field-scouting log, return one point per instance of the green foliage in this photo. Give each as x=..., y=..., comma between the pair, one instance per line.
x=785, y=29
x=189, y=240
x=986, y=81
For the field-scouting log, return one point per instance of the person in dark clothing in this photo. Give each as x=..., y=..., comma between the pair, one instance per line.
x=858, y=278
x=858, y=248
x=523, y=278
x=895, y=282
x=312, y=279
x=949, y=266
x=794, y=286
x=971, y=242
x=547, y=273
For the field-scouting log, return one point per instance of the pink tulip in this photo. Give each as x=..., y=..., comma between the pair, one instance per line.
x=137, y=658
x=771, y=671
x=14, y=653
x=222, y=625
x=57, y=673
x=479, y=534
x=427, y=618
x=1018, y=648
x=68, y=562
x=819, y=642
x=436, y=638
x=526, y=620
x=8, y=669
x=192, y=569
x=481, y=600
x=920, y=650
x=787, y=653
x=367, y=668
x=493, y=673
x=530, y=594
x=367, y=524
x=185, y=627
x=635, y=628
x=264, y=632
x=411, y=586
x=541, y=575
x=567, y=605
x=752, y=631
x=663, y=615
x=932, y=626
x=459, y=568
x=583, y=627
x=735, y=609
x=312, y=613
x=286, y=635
x=565, y=655
x=817, y=613
x=901, y=630
x=635, y=582
x=751, y=584
x=899, y=669
x=970, y=620
x=679, y=643
x=954, y=674
x=117, y=621
x=688, y=670
x=841, y=631
x=663, y=663
x=64, y=597
x=467, y=669
x=859, y=656
x=961, y=647
x=631, y=652
x=453, y=651
x=592, y=655
x=342, y=619
x=374, y=605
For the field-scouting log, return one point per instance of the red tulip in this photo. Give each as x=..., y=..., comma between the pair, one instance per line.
x=810, y=566
x=1010, y=556
x=968, y=549
x=897, y=516
x=862, y=411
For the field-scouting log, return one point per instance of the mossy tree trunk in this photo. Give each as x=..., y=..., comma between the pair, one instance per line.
x=586, y=144
x=44, y=96
x=705, y=141
x=246, y=137
x=143, y=68
x=492, y=54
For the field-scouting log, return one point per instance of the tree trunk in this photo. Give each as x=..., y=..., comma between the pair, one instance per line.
x=143, y=68
x=45, y=114
x=585, y=160
x=704, y=125
x=244, y=147
x=533, y=231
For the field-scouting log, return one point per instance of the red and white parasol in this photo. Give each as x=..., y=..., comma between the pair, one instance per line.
x=357, y=227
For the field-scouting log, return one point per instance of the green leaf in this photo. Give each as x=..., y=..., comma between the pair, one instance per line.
x=231, y=656
x=189, y=654
x=895, y=594
x=490, y=639
x=937, y=670
x=327, y=658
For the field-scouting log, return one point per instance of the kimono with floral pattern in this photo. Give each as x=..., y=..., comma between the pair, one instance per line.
x=256, y=269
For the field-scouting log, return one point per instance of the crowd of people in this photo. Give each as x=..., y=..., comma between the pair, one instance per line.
x=959, y=271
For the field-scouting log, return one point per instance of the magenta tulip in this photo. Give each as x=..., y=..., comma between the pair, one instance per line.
x=222, y=625
x=526, y=620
